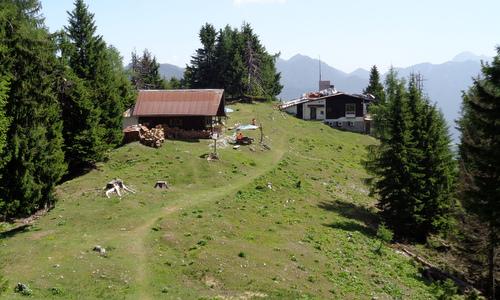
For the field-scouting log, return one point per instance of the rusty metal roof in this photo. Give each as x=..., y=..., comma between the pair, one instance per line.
x=202, y=102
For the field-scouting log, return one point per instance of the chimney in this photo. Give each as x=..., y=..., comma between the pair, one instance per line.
x=324, y=84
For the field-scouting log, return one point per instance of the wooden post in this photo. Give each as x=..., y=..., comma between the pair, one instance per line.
x=215, y=145
x=261, y=134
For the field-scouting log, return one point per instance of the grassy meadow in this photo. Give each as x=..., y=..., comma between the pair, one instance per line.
x=292, y=222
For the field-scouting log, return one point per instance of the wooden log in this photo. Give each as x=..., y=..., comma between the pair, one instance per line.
x=434, y=273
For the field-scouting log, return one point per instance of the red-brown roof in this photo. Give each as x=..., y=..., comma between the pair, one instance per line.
x=179, y=103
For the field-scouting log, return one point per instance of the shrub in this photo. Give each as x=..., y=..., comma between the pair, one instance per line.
x=384, y=235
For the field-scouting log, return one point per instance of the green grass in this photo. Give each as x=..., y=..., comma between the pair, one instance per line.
x=293, y=222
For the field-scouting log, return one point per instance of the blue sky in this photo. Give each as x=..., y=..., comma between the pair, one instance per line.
x=346, y=34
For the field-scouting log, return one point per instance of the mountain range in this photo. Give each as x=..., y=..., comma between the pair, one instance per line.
x=443, y=83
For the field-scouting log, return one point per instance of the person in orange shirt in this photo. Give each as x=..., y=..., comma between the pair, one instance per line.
x=239, y=136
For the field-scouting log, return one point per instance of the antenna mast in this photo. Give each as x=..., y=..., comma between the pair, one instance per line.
x=319, y=67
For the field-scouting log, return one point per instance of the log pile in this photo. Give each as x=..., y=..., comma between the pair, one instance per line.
x=182, y=134
x=153, y=137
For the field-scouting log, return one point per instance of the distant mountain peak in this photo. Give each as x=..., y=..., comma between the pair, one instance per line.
x=299, y=56
x=360, y=72
x=469, y=56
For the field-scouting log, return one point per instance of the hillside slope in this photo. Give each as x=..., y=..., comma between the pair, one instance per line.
x=292, y=222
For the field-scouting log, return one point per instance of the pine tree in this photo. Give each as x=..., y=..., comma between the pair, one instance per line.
x=202, y=72
x=432, y=165
x=439, y=174
x=389, y=162
x=229, y=64
x=83, y=145
x=146, y=72
x=480, y=156
x=379, y=109
x=413, y=164
x=107, y=96
x=375, y=87
x=125, y=89
x=4, y=121
x=236, y=61
x=33, y=153
x=92, y=61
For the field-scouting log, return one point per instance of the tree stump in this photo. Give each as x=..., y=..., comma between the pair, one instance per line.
x=160, y=184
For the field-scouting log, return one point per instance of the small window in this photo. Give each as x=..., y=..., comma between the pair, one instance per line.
x=350, y=110
x=350, y=124
x=321, y=112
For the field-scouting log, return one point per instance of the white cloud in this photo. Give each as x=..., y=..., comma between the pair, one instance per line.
x=242, y=2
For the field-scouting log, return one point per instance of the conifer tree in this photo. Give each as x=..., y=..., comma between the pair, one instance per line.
x=4, y=121
x=379, y=109
x=146, y=72
x=439, y=174
x=83, y=145
x=125, y=89
x=202, y=72
x=389, y=162
x=236, y=61
x=413, y=165
x=375, y=86
x=91, y=60
x=480, y=156
x=432, y=165
x=34, y=160
x=4, y=89
x=229, y=64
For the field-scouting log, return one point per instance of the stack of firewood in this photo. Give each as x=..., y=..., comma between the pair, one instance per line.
x=182, y=134
x=153, y=137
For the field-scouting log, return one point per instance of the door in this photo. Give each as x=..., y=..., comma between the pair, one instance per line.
x=300, y=108
x=313, y=113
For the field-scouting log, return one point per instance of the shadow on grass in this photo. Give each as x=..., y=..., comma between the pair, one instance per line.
x=13, y=231
x=352, y=211
x=352, y=226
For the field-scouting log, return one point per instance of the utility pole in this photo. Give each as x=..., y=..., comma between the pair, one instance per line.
x=319, y=61
x=419, y=78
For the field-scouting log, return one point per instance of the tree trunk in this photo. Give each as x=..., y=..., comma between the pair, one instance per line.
x=491, y=264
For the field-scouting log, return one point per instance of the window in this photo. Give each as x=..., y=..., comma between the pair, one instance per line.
x=350, y=124
x=321, y=112
x=350, y=110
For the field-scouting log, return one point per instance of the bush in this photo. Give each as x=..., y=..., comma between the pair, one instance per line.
x=445, y=290
x=3, y=285
x=385, y=236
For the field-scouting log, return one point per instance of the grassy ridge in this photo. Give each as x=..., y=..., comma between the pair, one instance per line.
x=291, y=222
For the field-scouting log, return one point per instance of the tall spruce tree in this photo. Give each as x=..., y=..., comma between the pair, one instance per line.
x=413, y=166
x=480, y=156
x=375, y=86
x=439, y=174
x=236, y=61
x=34, y=160
x=91, y=60
x=83, y=145
x=146, y=72
x=4, y=123
x=379, y=109
x=126, y=91
x=202, y=71
x=229, y=64
x=389, y=161
x=431, y=163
